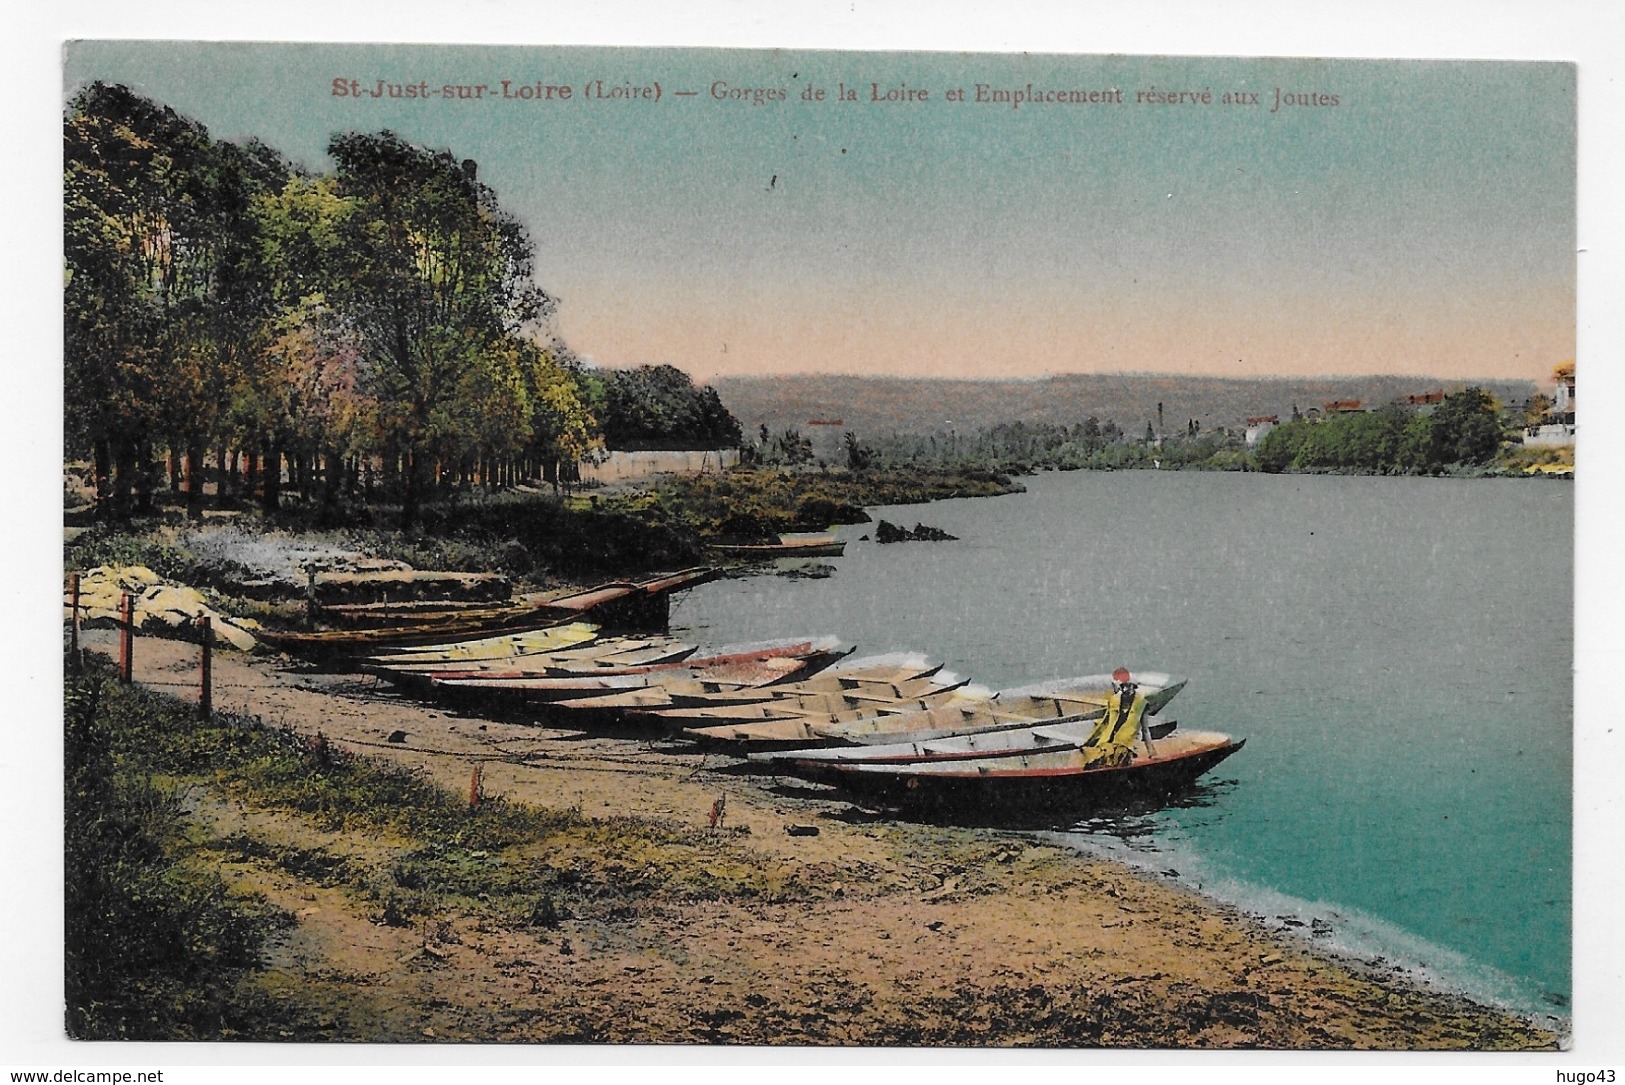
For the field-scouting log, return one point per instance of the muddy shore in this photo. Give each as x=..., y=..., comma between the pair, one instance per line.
x=884, y=933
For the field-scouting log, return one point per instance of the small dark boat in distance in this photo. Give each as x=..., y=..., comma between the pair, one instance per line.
x=815, y=546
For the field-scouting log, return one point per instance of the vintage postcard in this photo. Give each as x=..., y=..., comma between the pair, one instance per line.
x=631, y=546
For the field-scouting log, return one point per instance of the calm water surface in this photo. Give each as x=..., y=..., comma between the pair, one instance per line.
x=1397, y=653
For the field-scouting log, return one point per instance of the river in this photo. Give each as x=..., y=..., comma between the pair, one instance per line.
x=1397, y=653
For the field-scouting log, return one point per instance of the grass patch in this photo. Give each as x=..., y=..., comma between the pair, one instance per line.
x=158, y=946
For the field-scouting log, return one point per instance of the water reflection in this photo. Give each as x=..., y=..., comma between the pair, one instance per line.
x=1135, y=822
x=1140, y=820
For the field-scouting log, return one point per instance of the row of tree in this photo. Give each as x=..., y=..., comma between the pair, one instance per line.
x=1466, y=429
x=376, y=326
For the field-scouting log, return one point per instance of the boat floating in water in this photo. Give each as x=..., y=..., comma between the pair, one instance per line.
x=815, y=546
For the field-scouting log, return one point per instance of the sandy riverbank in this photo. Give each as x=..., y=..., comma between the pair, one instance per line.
x=884, y=932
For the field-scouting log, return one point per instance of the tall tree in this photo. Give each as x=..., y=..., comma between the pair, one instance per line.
x=229, y=301
x=131, y=238
x=164, y=287
x=433, y=275
x=305, y=350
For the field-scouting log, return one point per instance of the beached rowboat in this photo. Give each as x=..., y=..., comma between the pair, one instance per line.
x=858, y=703
x=606, y=653
x=554, y=638
x=1041, y=780
x=971, y=710
x=623, y=605
x=884, y=676
x=1048, y=738
x=755, y=665
x=543, y=633
x=1022, y=706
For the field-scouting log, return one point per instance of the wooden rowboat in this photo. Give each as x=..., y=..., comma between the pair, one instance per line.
x=1048, y=738
x=1043, y=781
x=1023, y=706
x=642, y=604
x=806, y=730
x=754, y=665
x=578, y=691
x=543, y=634
x=553, y=638
x=595, y=658
x=605, y=653
x=850, y=703
x=817, y=546
x=970, y=710
x=873, y=674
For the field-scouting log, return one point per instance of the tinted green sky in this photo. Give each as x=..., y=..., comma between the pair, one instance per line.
x=1424, y=224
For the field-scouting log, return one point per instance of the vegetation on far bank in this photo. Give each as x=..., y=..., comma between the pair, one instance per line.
x=667, y=522
x=1466, y=430
x=756, y=503
x=1466, y=433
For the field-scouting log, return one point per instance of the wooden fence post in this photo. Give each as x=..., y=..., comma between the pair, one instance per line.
x=205, y=701
x=310, y=594
x=73, y=621
x=126, y=638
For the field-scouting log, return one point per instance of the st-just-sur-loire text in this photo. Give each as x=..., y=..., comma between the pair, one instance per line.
x=384, y=88
x=533, y=90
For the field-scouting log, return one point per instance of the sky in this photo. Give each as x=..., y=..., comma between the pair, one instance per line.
x=1423, y=224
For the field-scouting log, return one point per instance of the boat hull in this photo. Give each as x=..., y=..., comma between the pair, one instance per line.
x=970, y=747
x=1025, y=792
x=822, y=547
x=628, y=605
x=762, y=666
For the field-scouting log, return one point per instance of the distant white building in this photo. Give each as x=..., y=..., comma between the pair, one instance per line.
x=1563, y=398
x=1557, y=428
x=1260, y=425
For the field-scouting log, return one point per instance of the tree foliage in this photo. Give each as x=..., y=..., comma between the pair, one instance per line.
x=378, y=325
x=1464, y=430
x=162, y=287
x=655, y=406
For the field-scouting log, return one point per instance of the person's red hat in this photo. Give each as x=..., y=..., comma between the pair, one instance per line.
x=1120, y=675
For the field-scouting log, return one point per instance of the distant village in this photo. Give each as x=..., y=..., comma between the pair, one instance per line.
x=1548, y=420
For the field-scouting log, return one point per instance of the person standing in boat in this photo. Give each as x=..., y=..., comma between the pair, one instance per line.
x=1120, y=725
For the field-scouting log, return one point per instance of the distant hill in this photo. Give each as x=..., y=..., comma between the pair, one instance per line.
x=824, y=407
